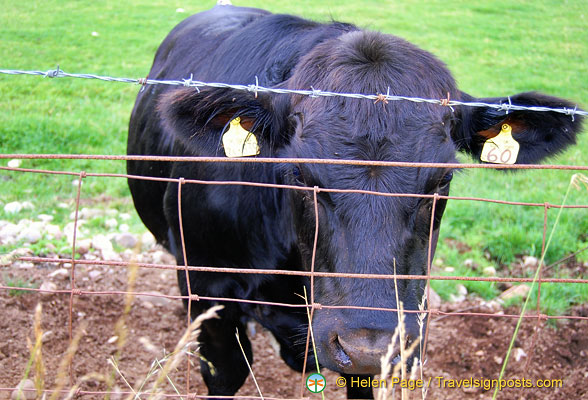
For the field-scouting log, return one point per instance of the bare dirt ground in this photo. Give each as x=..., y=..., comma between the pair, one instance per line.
x=459, y=347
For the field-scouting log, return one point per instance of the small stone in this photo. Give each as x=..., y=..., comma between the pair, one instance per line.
x=48, y=335
x=8, y=233
x=13, y=207
x=95, y=34
x=462, y=290
x=54, y=231
x=490, y=271
x=480, y=353
x=111, y=223
x=24, y=265
x=530, y=262
x=27, y=205
x=94, y=274
x=449, y=269
x=60, y=273
x=469, y=263
x=126, y=240
x=124, y=216
x=112, y=339
x=24, y=390
x=498, y=360
x=81, y=314
x=30, y=235
x=147, y=240
x=519, y=353
x=45, y=217
x=14, y=163
x=515, y=291
x=101, y=242
x=111, y=255
x=123, y=228
x=83, y=246
x=180, y=10
x=47, y=288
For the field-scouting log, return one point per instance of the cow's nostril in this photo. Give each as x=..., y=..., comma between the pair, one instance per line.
x=340, y=356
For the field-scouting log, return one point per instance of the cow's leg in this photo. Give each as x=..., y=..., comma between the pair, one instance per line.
x=222, y=364
x=354, y=389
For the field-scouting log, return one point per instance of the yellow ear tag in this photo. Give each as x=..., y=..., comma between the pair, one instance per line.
x=239, y=142
x=501, y=149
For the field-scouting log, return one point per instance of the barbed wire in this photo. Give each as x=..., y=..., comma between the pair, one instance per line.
x=256, y=88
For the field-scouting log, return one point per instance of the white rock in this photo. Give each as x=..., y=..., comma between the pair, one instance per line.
x=47, y=335
x=123, y=228
x=45, y=217
x=111, y=223
x=515, y=291
x=110, y=255
x=124, y=216
x=95, y=34
x=519, y=353
x=27, y=205
x=83, y=246
x=449, y=269
x=490, y=271
x=180, y=10
x=47, y=288
x=31, y=234
x=13, y=207
x=8, y=233
x=60, y=273
x=94, y=274
x=14, y=163
x=101, y=242
x=462, y=290
x=111, y=212
x=24, y=390
x=469, y=263
x=24, y=265
x=530, y=262
x=147, y=240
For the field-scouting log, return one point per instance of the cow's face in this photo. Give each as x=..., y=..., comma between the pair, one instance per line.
x=358, y=232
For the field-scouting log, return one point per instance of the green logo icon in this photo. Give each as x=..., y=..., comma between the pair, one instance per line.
x=316, y=383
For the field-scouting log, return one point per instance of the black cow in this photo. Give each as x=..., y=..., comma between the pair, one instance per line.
x=241, y=226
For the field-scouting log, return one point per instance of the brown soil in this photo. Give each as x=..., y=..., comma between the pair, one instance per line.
x=459, y=347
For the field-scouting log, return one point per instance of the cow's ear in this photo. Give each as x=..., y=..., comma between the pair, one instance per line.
x=199, y=118
x=538, y=134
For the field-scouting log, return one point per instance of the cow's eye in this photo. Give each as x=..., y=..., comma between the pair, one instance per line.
x=446, y=180
x=296, y=172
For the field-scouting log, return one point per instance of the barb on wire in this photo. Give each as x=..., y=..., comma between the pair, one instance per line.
x=506, y=107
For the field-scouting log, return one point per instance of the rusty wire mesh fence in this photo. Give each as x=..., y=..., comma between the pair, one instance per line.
x=73, y=388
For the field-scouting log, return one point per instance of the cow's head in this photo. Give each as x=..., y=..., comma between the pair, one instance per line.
x=365, y=233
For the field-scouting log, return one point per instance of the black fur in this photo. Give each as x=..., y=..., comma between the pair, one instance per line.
x=240, y=226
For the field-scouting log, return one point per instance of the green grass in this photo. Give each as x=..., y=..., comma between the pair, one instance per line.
x=18, y=283
x=493, y=48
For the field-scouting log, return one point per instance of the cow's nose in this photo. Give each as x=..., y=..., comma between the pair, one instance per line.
x=360, y=351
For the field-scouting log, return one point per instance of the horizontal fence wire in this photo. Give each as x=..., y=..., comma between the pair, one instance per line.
x=256, y=88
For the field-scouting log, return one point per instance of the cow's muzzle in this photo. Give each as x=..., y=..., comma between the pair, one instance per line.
x=361, y=351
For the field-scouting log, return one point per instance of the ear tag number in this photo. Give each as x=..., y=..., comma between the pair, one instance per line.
x=239, y=142
x=501, y=149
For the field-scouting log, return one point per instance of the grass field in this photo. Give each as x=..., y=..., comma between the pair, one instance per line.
x=493, y=48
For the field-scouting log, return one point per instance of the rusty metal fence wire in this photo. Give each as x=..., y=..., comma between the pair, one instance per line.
x=74, y=291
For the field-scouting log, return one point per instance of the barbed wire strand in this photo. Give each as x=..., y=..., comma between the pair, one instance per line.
x=255, y=88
